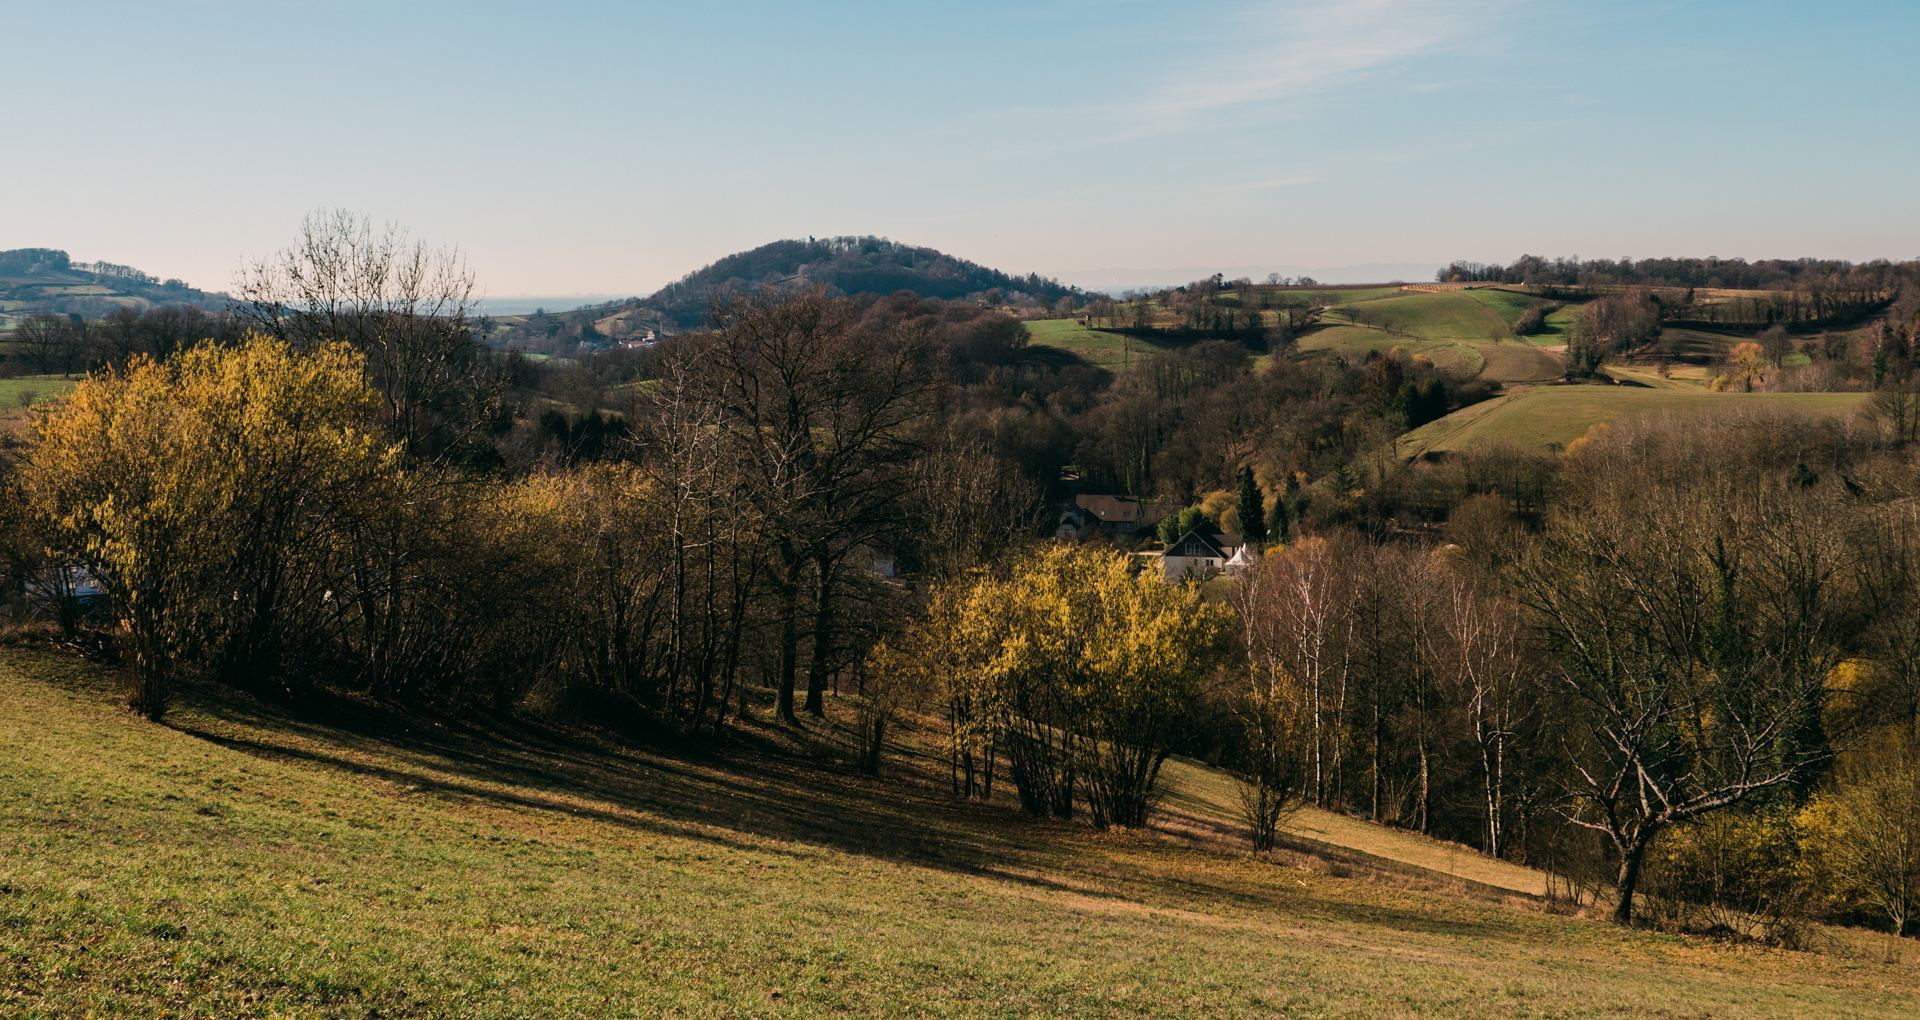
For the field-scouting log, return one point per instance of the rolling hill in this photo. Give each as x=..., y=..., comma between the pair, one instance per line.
x=47, y=280
x=1465, y=333
x=846, y=265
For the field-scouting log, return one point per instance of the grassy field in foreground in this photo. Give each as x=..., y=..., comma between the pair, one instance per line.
x=221, y=866
x=1539, y=416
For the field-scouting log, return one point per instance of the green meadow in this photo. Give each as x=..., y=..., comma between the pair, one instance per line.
x=236, y=862
x=1354, y=343
x=1454, y=315
x=31, y=389
x=1110, y=351
x=1553, y=416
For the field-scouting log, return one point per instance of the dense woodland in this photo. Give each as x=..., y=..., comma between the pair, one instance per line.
x=842, y=266
x=1679, y=660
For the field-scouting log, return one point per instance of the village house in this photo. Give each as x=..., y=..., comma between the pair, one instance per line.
x=1073, y=524
x=1112, y=514
x=1202, y=554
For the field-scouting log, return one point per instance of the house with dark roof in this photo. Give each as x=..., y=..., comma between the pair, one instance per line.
x=1073, y=523
x=1198, y=553
x=1120, y=513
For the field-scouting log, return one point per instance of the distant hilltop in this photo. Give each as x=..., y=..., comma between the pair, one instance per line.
x=844, y=265
x=47, y=280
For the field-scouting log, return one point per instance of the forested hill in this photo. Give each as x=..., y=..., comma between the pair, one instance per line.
x=47, y=280
x=845, y=265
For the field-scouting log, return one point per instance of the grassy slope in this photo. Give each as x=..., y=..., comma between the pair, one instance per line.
x=1463, y=332
x=1198, y=797
x=1096, y=347
x=1332, y=297
x=1508, y=305
x=1560, y=414
x=1355, y=342
x=216, y=867
x=1455, y=315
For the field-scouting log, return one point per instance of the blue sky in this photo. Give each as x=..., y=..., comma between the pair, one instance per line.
x=572, y=147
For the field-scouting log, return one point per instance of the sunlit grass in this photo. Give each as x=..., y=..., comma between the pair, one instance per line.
x=31, y=389
x=1111, y=351
x=1553, y=416
x=233, y=865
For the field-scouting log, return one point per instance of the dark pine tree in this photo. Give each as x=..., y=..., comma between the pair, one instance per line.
x=1253, y=509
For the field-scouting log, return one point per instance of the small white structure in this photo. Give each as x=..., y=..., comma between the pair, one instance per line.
x=1242, y=560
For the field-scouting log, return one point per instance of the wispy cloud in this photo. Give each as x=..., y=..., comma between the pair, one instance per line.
x=1299, y=48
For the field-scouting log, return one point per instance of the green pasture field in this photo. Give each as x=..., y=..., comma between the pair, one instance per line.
x=1463, y=332
x=1343, y=297
x=36, y=387
x=1510, y=305
x=1110, y=351
x=1544, y=416
x=233, y=863
x=1453, y=315
x=1505, y=303
x=1509, y=362
x=1354, y=343
x=1559, y=328
x=1519, y=363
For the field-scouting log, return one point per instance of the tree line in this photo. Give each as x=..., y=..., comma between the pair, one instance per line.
x=1804, y=274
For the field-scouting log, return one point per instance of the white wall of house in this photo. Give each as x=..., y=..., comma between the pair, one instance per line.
x=1201, y=566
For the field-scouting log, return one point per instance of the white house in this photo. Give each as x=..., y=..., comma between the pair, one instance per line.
x=1200, y=554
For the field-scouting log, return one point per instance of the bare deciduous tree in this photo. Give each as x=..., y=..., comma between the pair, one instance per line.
x=403, y=305
x=1677, y=713
x=818, y=418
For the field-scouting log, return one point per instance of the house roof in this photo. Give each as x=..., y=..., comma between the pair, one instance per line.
x=1111, y=508
x=1206, y=543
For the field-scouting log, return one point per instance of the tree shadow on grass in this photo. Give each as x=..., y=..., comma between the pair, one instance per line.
x=765, y=787
x=759, y=789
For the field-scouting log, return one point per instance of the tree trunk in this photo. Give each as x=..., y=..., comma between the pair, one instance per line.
x=1375, y=763
x=789, y=648
x=1631, y=856
x=822, y=634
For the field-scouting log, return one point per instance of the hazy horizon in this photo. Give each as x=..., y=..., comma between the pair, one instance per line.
x=1077, y=141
